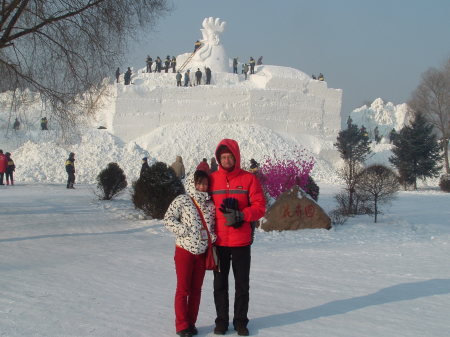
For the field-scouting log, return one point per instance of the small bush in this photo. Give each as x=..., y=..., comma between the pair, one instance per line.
x=111, y=181
x=312, y=188
x=155, y=190
x=444, y=182
x=338, y=217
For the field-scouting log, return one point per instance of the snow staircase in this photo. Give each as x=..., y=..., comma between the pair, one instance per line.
x=189, y=59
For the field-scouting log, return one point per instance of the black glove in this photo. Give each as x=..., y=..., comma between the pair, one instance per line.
x=230, y=210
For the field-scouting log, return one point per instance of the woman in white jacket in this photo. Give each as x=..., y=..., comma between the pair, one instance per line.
x=183, y=219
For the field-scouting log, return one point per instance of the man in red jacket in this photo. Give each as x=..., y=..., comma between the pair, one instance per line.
x=239, y=201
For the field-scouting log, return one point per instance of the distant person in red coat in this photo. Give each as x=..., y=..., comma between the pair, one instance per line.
x=3, y=166
x=203, y=166
x=239, y=201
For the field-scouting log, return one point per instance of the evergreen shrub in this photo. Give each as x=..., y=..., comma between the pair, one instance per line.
x=444, y=182
x=155, y=190
x=312, y=188
x=110, y=182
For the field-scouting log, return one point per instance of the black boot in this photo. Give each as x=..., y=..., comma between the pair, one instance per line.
x=184, y=333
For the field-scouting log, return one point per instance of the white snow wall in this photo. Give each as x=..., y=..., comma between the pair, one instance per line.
x=285, y=105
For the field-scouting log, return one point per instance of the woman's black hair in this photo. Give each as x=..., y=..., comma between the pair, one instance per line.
x=199, y=175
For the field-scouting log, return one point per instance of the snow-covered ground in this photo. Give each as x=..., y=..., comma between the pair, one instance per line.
x=75, y=266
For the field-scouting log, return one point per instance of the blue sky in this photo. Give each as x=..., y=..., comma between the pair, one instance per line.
x=369, y=49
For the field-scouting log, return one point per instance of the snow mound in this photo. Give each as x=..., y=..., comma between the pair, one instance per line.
x=44, y=161
x=194, y=141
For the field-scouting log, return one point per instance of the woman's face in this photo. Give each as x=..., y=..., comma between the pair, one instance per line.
x=202, y=185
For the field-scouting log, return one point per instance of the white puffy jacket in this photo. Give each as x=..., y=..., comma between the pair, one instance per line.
x=183, y=220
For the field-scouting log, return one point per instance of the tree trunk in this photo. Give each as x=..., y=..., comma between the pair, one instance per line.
x=447, y=168
x=376, y=208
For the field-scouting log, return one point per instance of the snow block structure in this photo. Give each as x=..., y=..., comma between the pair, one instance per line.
x=283, y=99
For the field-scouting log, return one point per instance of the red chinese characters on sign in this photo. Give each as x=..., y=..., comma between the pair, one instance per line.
x=308, y=211
x=286, y=212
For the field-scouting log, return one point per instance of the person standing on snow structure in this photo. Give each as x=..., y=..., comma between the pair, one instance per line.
x=321, y=78
x=44, y=123
x=16, y=125
x=197, y=45
x=70, y=169
x=313, y=77
x=187, y=78
x=198, y=77
x=10, y=168
x=235, y=64
x=117, y=74
x=392, y=135
x=259, y=62
x=376, y=135
x=252, y=65
x=349, y=122
x=239, y=201
x=173, y=63
x=364, y=131
x=158, y=64
x=167, y=64
x=149, y=62
x=245, y=69
x=179, y=77
x=127, y=77
x=208, y=75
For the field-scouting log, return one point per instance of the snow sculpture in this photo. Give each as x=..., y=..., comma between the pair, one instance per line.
x=212, y=53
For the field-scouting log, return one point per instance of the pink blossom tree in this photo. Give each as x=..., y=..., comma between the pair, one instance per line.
x=280, y=174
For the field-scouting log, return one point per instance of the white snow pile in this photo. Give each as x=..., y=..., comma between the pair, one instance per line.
x=194, y=141
x=386, y=116
x=44, y=161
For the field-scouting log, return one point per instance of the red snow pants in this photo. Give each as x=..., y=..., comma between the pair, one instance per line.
x=190, y=269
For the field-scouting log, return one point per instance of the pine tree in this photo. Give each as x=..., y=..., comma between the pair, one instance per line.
x=353, y=145
x=155, y=190
x=416, y=152
x=111, y=181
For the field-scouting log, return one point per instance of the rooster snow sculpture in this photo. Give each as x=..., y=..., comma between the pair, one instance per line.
x=212, y=53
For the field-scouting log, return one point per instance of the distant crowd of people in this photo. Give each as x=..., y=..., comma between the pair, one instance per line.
x=184, y=79
x=319, y=78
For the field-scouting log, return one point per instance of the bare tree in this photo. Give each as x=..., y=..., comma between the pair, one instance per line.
x=63, y=48
x=432, y=99
x=379, y=183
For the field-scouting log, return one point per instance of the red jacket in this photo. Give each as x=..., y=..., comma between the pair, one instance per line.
x=243, y=186
x=3, y=163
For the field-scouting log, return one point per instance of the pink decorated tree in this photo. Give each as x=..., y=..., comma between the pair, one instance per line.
x=280, y=174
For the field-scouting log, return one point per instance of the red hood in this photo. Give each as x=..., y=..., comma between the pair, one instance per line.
x=234, y=148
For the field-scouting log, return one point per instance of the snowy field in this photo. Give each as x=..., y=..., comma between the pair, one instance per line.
x=75, y=266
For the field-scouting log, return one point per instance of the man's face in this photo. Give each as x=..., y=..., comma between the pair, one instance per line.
x=227, y=161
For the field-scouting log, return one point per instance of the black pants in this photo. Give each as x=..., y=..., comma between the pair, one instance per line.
x=70, y=179
x=9, y=177
x=239, y=259
x=1, y=177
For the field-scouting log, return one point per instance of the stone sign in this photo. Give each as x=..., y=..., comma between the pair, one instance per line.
x=294, y=210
